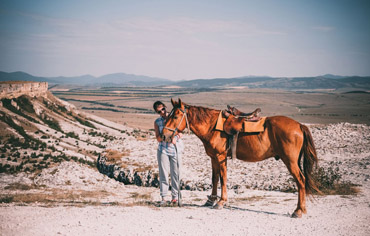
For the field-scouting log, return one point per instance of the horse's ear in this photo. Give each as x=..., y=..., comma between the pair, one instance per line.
x=173, y=102
x=180, y=103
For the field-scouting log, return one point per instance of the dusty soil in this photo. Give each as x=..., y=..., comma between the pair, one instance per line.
x=70, y=198
x=321, y=107
x=73, y=199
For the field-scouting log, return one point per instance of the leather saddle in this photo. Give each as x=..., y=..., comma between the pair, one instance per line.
x=234, y=124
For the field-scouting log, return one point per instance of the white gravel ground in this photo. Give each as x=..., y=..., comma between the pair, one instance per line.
x=251, y=211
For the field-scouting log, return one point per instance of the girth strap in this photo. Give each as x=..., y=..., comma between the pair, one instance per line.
x=233, y=140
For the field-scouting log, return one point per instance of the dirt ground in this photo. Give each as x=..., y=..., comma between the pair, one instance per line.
x=74, y=199
x=322, y=107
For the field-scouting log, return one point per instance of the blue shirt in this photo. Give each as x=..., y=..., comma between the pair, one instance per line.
x=164, y=147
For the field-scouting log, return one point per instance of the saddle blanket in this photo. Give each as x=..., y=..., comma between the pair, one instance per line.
x=249, y=126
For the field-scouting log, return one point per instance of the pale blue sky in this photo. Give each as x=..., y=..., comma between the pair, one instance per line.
x=185, y=39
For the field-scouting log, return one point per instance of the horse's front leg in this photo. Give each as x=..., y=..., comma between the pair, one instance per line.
x=215, y=177
x=223, y=177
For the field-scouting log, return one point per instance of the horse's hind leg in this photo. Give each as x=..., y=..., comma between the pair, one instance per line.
x=215, y=178
x=298, y=176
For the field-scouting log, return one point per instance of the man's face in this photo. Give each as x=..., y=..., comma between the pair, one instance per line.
x=161, y=110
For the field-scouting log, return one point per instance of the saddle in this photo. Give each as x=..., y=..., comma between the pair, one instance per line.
x=235, y=123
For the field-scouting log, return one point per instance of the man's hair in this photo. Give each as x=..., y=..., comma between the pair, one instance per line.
x=157, y=104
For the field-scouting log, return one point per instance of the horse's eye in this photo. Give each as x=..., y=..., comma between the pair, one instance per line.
x=175, y=117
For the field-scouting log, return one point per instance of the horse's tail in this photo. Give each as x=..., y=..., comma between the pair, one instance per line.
x=309, y=160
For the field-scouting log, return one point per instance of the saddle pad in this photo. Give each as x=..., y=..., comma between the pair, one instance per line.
x=220, y=122
x=249, y=126
x=254, y=126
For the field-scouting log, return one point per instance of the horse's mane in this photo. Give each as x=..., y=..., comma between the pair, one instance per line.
x=202, y=113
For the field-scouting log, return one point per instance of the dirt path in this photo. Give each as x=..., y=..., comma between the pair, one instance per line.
x=251, y=213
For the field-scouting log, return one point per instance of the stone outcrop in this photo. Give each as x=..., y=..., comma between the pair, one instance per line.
x=127, y=176
x=145, y=179
x=14, y=89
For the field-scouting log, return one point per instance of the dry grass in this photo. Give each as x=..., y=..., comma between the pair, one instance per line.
x=198, y=199
x=137, y=167
x=304, y=107
x=56, y=196
x=141, y=196
x=250, y=199
x=19, y=186
x=342, y=188
x=144, y=168
x=116, y=156
x=330, y=182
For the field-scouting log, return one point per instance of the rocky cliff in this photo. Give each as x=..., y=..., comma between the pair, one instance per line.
x=14, y=89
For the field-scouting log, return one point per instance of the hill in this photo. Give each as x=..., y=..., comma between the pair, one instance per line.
x=333, y=82
x=40, y=130
x=117, y=79
x=295, y=83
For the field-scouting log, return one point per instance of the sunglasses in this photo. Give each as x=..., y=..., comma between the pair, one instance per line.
x=160, y=111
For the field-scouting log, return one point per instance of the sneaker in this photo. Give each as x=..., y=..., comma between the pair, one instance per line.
x=174, y=202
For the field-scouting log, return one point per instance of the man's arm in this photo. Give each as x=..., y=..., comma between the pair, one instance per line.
x=157, y=134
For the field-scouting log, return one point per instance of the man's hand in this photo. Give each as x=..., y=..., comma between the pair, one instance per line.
x=176, y=137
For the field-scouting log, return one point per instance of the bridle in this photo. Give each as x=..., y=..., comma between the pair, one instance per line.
x=182, y=118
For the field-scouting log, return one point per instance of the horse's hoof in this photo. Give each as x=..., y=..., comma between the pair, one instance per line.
x=209, y=203
x=218, y=206
x=296, y=215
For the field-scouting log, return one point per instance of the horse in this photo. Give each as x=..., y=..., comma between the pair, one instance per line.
x=282, y=138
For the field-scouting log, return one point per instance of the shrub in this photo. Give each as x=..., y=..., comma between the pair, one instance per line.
x=84, y=122
x=330, y=182
x=7, y=119
x=72, y=135
x=7, y=104
x=54, y=124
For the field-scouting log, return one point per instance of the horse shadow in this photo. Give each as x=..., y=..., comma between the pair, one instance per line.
x=228, y=207
x=232, y=208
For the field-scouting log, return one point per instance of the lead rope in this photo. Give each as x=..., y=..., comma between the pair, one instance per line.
x=187, y=121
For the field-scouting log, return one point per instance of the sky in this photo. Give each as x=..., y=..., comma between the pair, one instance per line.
x=183, y=40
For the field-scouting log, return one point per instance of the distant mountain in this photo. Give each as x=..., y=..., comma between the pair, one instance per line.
x=295, y=83
x=81, y=80
x=330, y=76
x=223, y=82
x=327, y=81
x=21, y=76
x=117, y=79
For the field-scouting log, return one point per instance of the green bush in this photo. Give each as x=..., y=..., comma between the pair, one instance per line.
x=84, y=122
x=72, y=135
x=7, y=104
x=53, y=124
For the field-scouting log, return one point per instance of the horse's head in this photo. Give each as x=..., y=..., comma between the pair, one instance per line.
x=177, y=121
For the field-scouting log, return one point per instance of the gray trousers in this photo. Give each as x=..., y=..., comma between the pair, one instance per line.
x=169, y=163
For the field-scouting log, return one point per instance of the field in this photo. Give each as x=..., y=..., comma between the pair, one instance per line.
x=75, y=199
x=133, y=106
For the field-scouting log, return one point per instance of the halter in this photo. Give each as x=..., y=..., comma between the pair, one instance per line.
x=182, y=118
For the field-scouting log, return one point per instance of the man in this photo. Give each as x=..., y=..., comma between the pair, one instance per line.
x=168, y=156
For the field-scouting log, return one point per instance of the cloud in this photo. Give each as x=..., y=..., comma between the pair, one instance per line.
x=323, y=28
x=189, y=26
x=175, y=47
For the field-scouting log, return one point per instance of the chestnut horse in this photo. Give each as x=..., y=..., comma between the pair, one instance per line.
x=282, y=138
